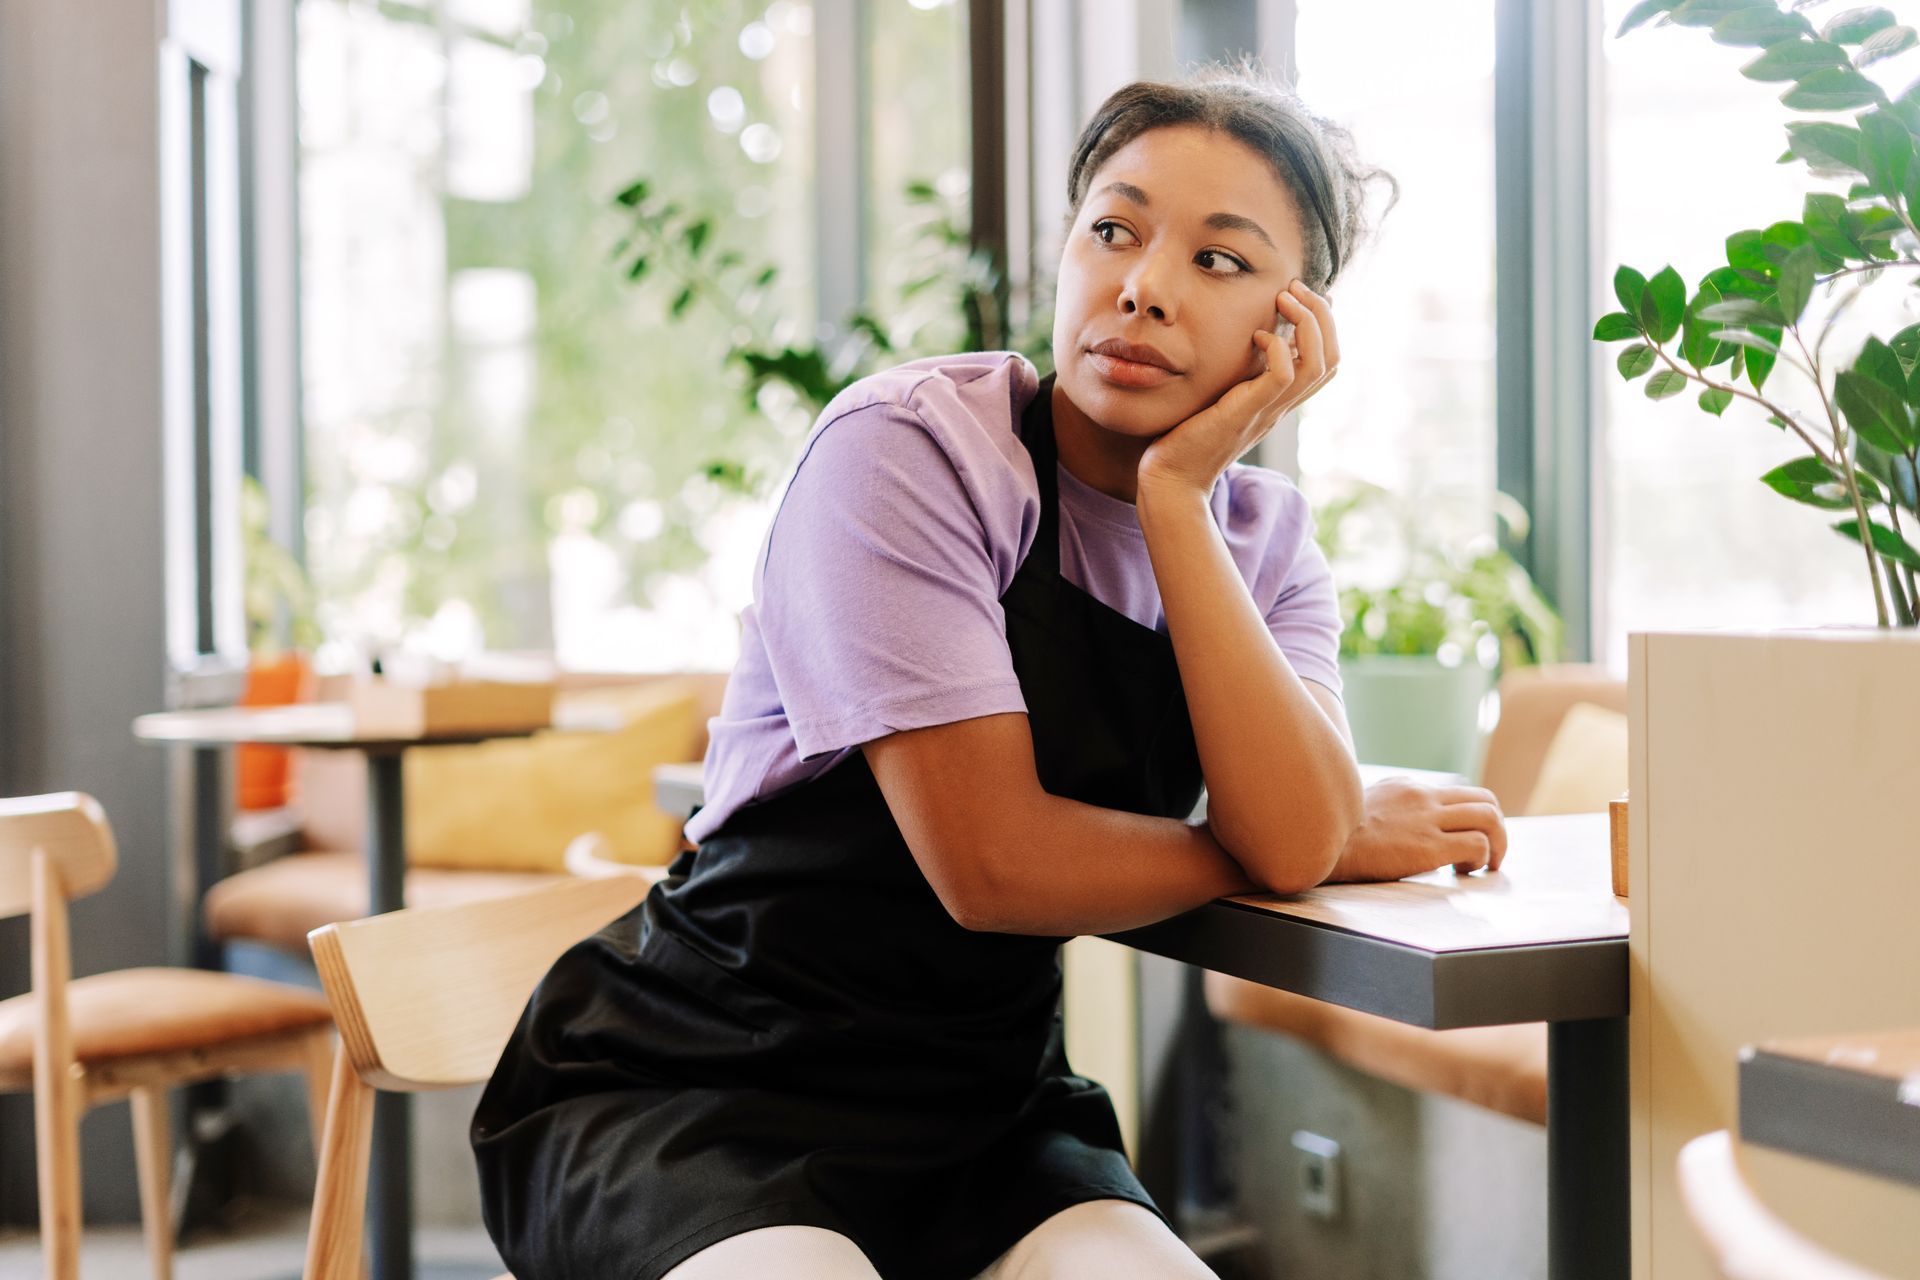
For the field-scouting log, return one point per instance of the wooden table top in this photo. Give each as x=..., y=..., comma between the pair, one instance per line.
x=1852, y=1100
x=316, y=724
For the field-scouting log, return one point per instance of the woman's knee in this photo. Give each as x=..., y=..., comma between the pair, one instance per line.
x=779, y=1253
x=1100, y=1240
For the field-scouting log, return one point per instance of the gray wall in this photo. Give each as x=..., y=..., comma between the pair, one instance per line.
x=80, y=525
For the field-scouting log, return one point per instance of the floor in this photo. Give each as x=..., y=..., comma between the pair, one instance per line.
x=266, y=1242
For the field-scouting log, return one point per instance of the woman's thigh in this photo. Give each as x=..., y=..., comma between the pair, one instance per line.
x=1099, y=1240
x=779, y=1253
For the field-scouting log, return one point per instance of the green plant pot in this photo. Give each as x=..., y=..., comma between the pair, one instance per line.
x=1414, y=712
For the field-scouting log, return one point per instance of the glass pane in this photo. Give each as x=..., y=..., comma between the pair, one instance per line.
x=509, y=443
x=1691, y=539
x=1413, y=407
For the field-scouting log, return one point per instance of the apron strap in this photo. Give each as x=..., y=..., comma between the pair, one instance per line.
x=1036, y=432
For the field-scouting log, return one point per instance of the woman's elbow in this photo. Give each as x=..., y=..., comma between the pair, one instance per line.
x=1301, y=852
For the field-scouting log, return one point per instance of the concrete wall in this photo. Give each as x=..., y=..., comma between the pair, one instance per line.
x=80, y=525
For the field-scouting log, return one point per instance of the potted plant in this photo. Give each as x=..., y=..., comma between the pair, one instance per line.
x=1426, y=625
x=278, y=601
x=1755, y=754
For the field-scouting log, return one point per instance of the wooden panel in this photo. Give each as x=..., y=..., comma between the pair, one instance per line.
x=1774, y=892
x=1555, y=886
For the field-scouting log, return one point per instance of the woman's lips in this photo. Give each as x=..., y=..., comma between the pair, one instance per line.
x=1129, y=373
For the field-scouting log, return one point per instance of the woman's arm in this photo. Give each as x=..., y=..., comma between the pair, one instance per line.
x=1283, y=794
x=1005, y=856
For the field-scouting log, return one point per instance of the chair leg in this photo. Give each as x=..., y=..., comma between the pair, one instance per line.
x=153, y=1154
x=335, y=1241
x=319, y=1074
x=57, y=1160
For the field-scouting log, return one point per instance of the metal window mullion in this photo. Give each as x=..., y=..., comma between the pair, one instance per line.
x=1544, y=78
x=841, y=92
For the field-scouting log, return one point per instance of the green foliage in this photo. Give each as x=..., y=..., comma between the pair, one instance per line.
x=1775, y=300
x=276, y=596
x=1472, y=599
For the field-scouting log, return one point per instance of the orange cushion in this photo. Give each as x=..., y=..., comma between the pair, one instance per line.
x=280, y=902
x=141, y=1011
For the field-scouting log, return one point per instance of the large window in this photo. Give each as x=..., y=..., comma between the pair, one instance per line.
x=510, y=444
x=1413, y=407
x=1692, y=538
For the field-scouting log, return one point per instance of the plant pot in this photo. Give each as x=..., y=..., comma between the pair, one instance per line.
x=1414, y=712
x=261, y=772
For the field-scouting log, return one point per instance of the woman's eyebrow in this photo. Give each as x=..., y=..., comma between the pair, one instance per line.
x=1234, y=222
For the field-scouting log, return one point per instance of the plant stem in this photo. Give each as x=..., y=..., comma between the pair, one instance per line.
x=1793, y=423
x=1906, y=597
x=1870, y=266
x=1852, y=482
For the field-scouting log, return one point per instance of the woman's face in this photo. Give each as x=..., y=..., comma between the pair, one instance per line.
x=1180, y=245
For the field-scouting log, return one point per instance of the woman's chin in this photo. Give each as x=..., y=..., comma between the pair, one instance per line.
x=1130, y=411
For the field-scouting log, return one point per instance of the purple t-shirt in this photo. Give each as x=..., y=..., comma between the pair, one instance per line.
x=876, y=597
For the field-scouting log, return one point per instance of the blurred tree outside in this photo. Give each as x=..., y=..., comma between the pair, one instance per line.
x=508, y=445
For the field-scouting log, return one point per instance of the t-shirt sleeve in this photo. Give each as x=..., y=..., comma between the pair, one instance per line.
x=1305, y=616
x=880, y=588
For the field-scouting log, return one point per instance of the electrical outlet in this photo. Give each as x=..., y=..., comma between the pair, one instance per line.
x=1319, y=1164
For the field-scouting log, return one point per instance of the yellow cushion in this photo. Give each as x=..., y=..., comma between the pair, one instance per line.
x=512, y=805
x=1585, y=765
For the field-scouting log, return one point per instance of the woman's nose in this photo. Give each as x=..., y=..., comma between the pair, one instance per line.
x=1147, y=291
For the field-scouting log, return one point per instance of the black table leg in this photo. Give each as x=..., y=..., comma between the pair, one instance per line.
x=390, y=1182
x=1588, y=1209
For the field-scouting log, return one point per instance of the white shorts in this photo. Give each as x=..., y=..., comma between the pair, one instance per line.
x=1097, y=1240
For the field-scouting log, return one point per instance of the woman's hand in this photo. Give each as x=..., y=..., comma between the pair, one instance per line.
x=1411, y=829
x=1193, y=454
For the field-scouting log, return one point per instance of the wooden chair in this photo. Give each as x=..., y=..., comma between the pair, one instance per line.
x=1747, y=1242
x=425, y=999
x=1501, y=1068
x=133, y=1033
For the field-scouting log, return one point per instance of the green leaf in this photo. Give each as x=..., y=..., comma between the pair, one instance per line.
x=1791, y=59
x=1715, y=401
x=1887, y=151
x=1666, y=383
x=1878, y=361
x=1825, y=217
x=1741, y=311
x=695, y=235
x=1892, y=470
x=1747, y=338
x=1635, y=360
x=681, y=301
x=1811, y=481
x=766, y=276
x=1884, y=44
x=1759, y=362
x=1744, y=252
x=1614, y=326
x=1832, y=89
x=1781, y=239
x=632, y=195
x=1906, y=345
x=1853, y=26
x=1885, y=542
x=1629, y=286
x=1760, y=27
x=1642, y=12
x=1697, y=343
x=1706, y=13
x=1827, y=148
x=1796, y=281
x=1664, y=304
x=919, y=190
x=1877, y=415
x=638, y=269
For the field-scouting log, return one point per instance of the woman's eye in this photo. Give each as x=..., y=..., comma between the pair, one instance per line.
x=1219, y=263
x=1110, y=232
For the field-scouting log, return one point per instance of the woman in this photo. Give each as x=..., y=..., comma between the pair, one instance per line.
x=1004, y=628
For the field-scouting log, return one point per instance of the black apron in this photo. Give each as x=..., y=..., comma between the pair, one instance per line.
x=792, y=1030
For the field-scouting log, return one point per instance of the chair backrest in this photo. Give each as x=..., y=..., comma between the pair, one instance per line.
x=1746, y=1241
x=1533, y=702
x=426, y=998
x=71, y=829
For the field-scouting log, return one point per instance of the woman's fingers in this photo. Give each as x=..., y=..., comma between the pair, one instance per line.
x=1323, y=316
x=1467, y=850
x=1307, y=337
x=1483, y=819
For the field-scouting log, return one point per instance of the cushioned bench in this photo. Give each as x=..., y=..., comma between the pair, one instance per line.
x=1500, y=1068
x=279, y=902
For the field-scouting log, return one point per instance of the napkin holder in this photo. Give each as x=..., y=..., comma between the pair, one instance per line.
x=385, y=708
x=1617, y=822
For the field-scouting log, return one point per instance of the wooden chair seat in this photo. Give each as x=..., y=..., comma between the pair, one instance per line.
x=149, y=1011
x=1501, y=1068
x=281, y=902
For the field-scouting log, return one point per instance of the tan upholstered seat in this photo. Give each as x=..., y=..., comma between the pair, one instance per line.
x=145, y=1011
x=282, y=901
